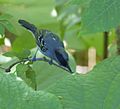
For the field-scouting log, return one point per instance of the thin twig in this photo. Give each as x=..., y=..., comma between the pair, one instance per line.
x=9, y=68
x=30, y=60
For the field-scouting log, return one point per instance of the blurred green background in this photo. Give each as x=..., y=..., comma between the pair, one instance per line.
x=77, y=23
x=90, y=30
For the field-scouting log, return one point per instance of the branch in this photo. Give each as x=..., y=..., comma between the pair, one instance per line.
x=31, y=60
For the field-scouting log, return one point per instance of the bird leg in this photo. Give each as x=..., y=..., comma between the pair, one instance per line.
x=49, y=61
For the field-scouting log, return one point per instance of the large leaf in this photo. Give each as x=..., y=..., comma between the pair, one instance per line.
x=47, y=75
x=79, y=2
x=6, y=23
x=2, y=30
x=9, y=26
x=23, y=42
x=99, y=89
x=101, y=16
x=40, y=75
x=15, y=94
x=5, y=17
x=27, y=74
x=21, y=54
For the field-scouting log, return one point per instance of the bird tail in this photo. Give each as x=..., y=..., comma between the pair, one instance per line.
x=28, y=26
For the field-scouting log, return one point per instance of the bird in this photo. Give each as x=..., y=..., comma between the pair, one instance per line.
x=49, y=44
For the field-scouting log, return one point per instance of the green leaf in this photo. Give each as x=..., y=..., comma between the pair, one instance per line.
x=101, y=16
x=39, y=9
x=9, y=54
x=31, y=78
x=5, y=17
x=99, y=89
x=21, y=54
x=2, y=30
x=27, y=74
x=47, y=75
x=9, y=26
x=21, y=69
x=15, y=94
x=60, y=2
x=79, y=2
x=23, y=42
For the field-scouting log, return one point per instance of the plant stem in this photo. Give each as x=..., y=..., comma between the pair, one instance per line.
x=30, y=60
x=105, y=55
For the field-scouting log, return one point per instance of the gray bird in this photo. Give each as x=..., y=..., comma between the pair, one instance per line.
x=49, y=44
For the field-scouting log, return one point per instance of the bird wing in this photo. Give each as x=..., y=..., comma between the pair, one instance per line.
x=62, y=58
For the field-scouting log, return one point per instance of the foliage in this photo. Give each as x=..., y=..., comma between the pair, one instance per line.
x=99, y=89
x=15, y=94
x=71, y=14
x=80, y=23
x=21, y=55
x=18, y=11
x=101, y=16
x=37, y=76
x=5, y=23
x=74, y=18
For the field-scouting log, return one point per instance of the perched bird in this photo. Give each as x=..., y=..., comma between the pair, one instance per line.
x=49, y=44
